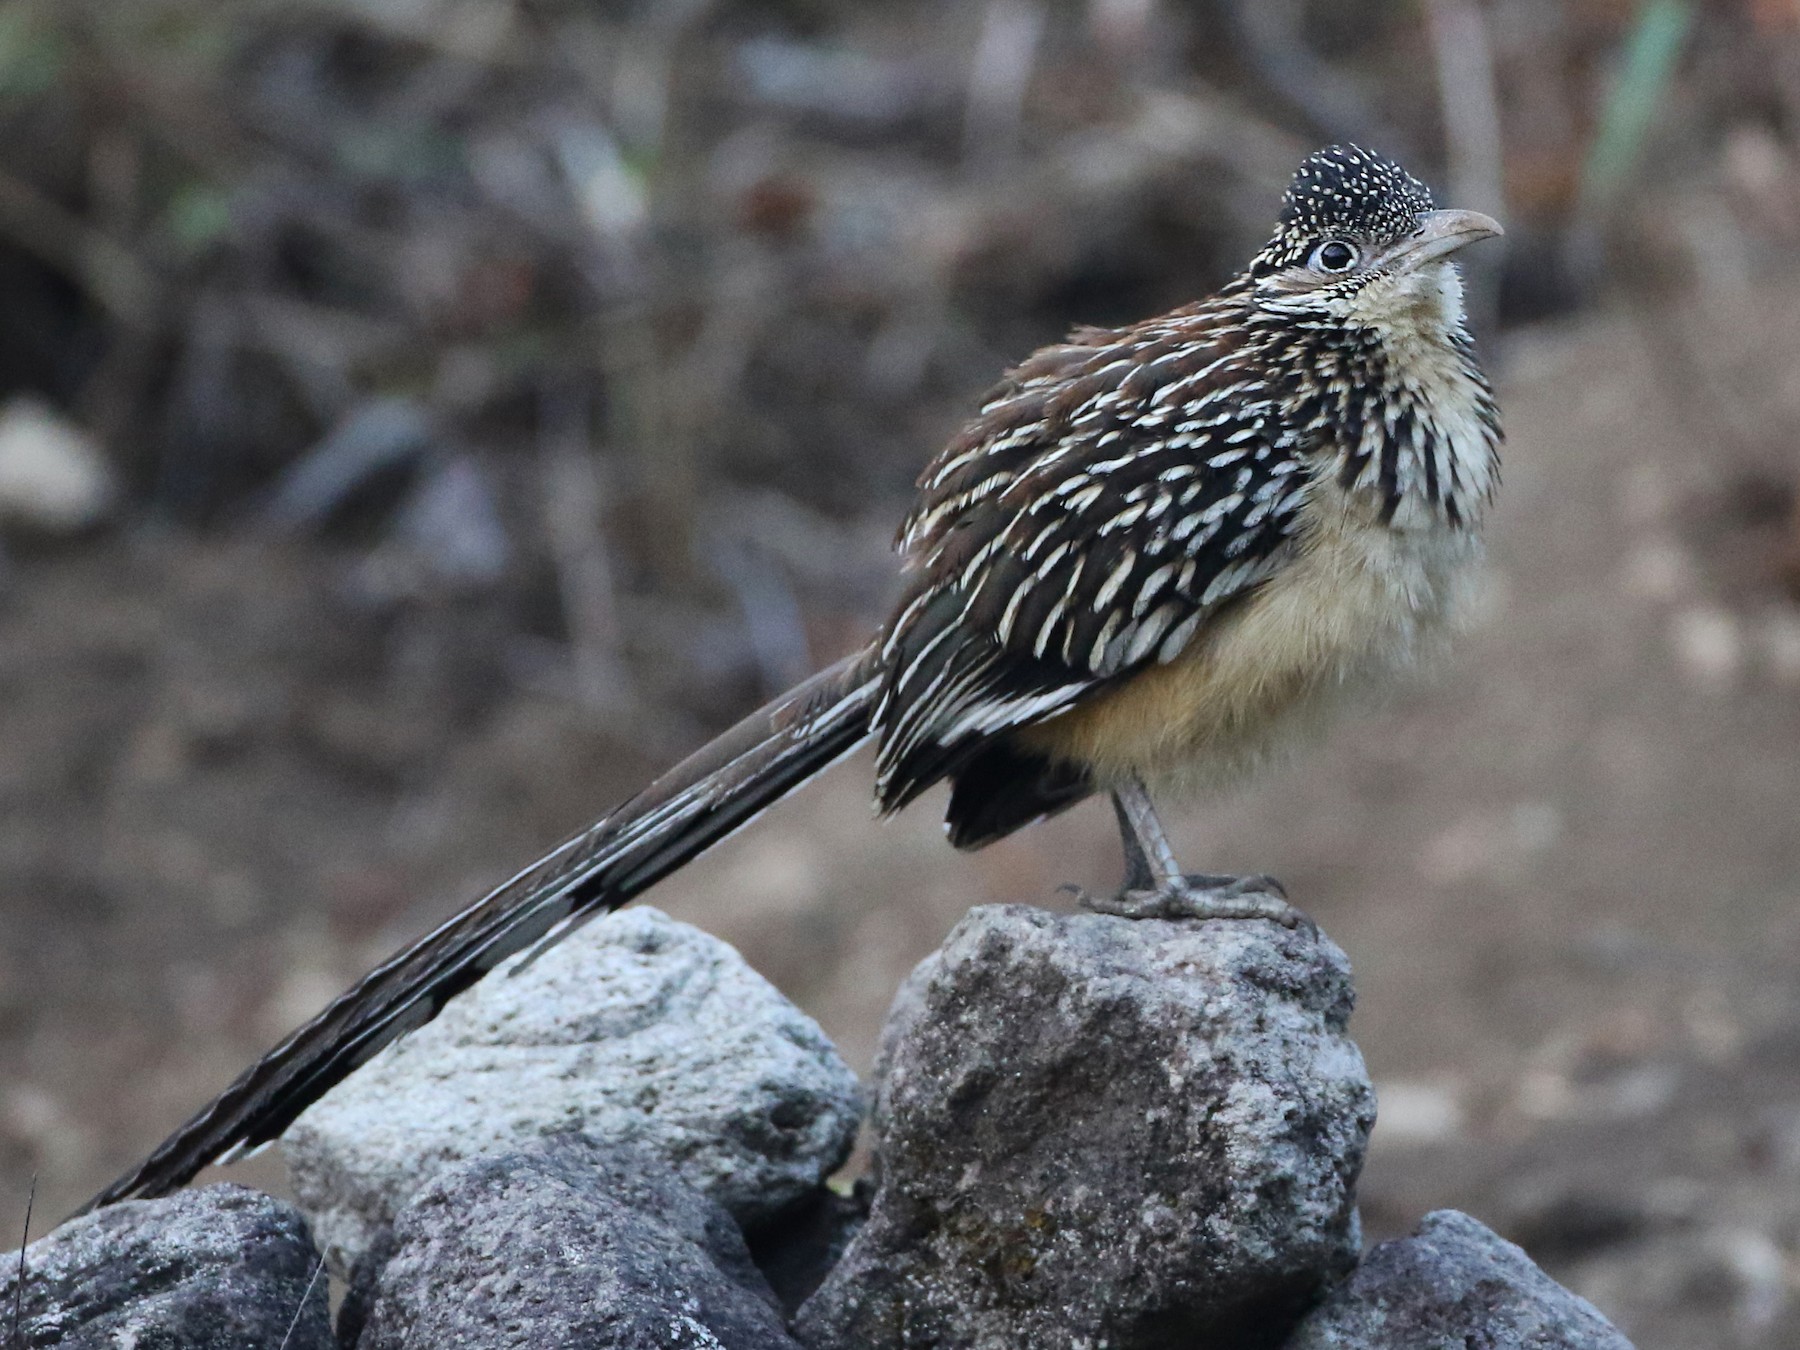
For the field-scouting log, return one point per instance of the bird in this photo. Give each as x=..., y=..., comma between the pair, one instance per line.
x=1156, y=556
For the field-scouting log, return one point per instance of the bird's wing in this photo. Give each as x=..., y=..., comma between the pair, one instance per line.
x=1111, y=495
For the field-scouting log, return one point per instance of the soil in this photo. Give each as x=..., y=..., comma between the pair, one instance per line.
x=1565, y=867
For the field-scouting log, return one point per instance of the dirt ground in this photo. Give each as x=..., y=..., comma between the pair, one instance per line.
x=1565, y=869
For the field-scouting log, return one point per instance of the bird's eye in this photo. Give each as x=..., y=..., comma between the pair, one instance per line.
x=1333, y=256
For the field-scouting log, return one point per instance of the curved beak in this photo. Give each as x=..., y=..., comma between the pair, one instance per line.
x=1440, y=234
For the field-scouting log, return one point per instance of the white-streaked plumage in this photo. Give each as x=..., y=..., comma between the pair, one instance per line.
x=1158, y=552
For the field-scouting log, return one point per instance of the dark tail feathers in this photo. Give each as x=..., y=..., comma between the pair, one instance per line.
x=700, y=801
x=1004, y=788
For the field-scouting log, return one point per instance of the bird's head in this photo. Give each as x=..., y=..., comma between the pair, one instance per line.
x=1360, y=243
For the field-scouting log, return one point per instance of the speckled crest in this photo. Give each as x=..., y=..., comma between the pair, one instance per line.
x=1344, y=189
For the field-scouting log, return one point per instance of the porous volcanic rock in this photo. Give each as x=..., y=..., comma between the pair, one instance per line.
x=219, y=1268
x=1102, y=1131
x=569, y=1243
x=638, y=1029
x=1454, y=1282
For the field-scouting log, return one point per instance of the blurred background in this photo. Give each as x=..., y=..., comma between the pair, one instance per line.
x=420, y=420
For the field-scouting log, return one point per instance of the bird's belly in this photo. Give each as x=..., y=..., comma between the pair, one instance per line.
x=1359, y=604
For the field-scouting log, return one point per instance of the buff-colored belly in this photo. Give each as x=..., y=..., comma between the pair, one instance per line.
x=1357, y=605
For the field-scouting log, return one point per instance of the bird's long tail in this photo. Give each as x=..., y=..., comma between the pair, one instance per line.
x=700, y=801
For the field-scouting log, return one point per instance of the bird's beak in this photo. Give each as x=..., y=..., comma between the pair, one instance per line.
x=1440, y=234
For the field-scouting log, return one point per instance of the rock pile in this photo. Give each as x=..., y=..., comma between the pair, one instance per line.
x=1089, y=1132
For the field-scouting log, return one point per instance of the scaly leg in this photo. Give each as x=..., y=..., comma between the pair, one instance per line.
x=1155, y=887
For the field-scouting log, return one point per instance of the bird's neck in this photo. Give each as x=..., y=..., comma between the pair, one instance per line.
x=1394, y=407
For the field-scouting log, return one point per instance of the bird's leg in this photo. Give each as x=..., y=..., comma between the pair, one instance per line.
x=1155, y=887
x=1149, y=860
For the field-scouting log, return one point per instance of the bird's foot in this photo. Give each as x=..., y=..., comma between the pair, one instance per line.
x=1200, y=896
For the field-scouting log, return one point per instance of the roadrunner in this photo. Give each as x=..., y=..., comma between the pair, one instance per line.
x=1155, y=555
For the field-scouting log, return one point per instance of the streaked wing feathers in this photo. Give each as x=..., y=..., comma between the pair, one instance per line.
x=1113, y=492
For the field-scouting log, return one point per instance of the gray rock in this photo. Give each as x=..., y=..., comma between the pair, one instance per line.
x=1454, y=1283
x=224, y=1268
x=1098, y=1131
x=54, y=477
x=572, y=1243
x=636, y=1028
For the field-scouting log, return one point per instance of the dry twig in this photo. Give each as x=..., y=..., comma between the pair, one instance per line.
x=115, y=278
x=18, y=1312
x=572, y=506
x=300, y=1308
x=1470, y=101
